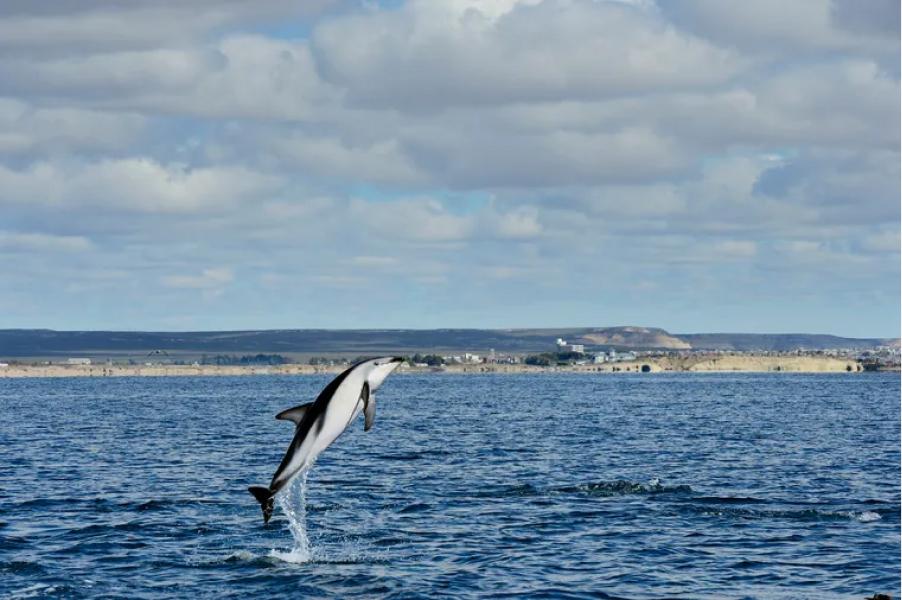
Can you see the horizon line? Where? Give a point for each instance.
(374, 329)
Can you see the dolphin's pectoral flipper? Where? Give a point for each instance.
(296, 414)
(369, 407)
(369, 413)
(265, 497)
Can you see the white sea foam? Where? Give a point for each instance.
(296, 556)
(33, 591)
(868, 516)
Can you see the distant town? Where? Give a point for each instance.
(626, 349)
(567, 354)
(561, 355)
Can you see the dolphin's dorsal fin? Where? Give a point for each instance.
(369, 407)
(296, 414)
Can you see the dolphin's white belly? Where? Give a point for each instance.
(336, 420)
(342, 409)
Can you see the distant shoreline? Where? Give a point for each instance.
(706, 364)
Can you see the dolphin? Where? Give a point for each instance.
(320, 422)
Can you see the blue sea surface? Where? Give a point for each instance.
(504, 486)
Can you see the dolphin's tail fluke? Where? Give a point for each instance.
(265, 497)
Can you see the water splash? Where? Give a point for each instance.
(293, 502)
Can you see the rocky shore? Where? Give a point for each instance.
(710, 364)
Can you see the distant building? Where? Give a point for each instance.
(563, 346)
(78, 361)
(614, 356)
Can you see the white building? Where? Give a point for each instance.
(78, 361)
(563, 346)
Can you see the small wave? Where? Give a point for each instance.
(729, 500)
(22, 567)
(152, 505)
(240, 556)
(33, 591)
(105, 505)
(619, 487)
(868, 516)
(623, 487)
(105, 528)
(807, 514)
(415, 507)
(66, 503)
(401, 456)
(248, 557)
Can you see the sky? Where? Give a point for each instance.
(696, 165)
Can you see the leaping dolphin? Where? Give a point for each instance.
(320, 422)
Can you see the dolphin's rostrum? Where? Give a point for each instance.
(320, 422)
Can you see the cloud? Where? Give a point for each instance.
(133, 185)
(100, 76)
(482, 157)
(373, 262)
(882, 241)
(101, 25)
(837, 187)
(778, 28)
(242, 76)
(736, 248)
(428, 56)
(332, 158)
(520, 223)
(479, 159)
(415, 220)
(30, 131)
(12, 242)
(208, 279)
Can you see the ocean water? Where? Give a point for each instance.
(513, 486)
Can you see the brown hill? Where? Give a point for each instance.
(634, 337)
